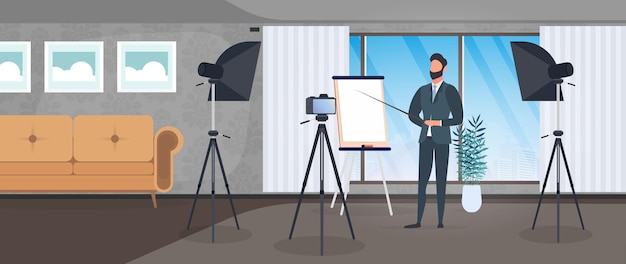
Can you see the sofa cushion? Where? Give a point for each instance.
(126, 138)
(35, 168)
(113, 168)
(35, 138)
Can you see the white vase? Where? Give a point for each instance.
(472, 198)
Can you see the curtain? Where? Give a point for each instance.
(591, 114)
(298, 62)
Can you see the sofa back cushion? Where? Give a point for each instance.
(113, 138)
(35, 138)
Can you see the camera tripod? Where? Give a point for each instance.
(323, 134)
(558, 143)
(213, 150)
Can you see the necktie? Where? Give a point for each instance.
(434, 92)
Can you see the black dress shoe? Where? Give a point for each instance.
(413, 225)
(440, 226)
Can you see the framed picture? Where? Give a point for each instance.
(14, 67)
(146, 66)
(73, 67)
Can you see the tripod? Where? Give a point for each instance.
(321, 133)
(558, 143)
(212, 150)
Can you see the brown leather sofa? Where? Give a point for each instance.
(92, 153)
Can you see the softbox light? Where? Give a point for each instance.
(233, 72)
(539, 79)
(537, 72)
(231, 80)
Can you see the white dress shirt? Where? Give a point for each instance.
(437, 85)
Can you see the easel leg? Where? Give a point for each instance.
(347, 180)
(382, 174)
(343, 169)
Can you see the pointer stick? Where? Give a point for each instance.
(413, 116)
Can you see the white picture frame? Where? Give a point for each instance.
(146, 66)
(73, 67)
(15, 74)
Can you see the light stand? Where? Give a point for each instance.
(558, 143)
(321, 135)
(212, 150)
(538, 75)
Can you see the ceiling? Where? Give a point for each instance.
(318, 11)
(436, 11)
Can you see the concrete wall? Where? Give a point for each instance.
(203, 30)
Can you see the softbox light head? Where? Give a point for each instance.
(561, 70)
(537, 72)
(235, 68)
(210, 70)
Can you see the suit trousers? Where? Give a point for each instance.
(425, 166)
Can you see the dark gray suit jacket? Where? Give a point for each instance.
(447, 100)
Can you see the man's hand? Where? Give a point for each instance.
(433, 122)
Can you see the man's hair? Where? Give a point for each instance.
(440, 58)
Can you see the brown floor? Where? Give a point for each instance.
(101, 230)
(498, 233)
(105, 229)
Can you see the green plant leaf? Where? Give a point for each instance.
(470, 148)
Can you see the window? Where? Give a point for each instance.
(491, 90)
(355, 55)
(404, 61)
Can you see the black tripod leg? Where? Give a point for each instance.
(558, 191)
(572, 185)
(206, 158)
(343, 199)
(545, 182)
(322, 197)
(213, 142)
(232, 206)
(306, 177)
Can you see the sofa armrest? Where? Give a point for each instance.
(167, 142)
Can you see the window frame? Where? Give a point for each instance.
(461, 47)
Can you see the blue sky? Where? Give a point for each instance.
(65, 60)
(15, 57)
(138, 59)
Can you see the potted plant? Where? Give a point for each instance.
(471, 158)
